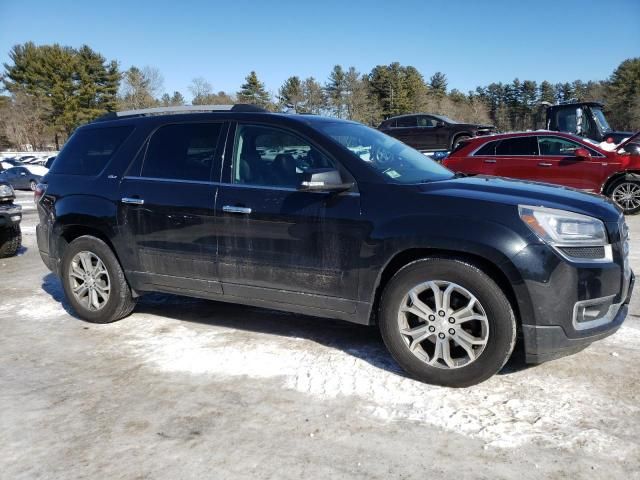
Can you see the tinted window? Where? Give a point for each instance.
(557, 146)
(273, 157)
(518, 146)
(426, 121)
(182, 152)
(88, 151)
(487, 149)
(406, 122)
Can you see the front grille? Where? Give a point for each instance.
(584, 252)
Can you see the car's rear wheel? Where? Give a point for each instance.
(626, 194)
(33, 184)
(94, 282)
(10, 240)
(446, 322)
(458, 140)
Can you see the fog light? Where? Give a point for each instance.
(595, 312)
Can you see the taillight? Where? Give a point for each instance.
(38, 193)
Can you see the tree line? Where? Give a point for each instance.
(49, 90)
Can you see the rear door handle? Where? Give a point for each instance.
(132, 201)
(232, 209)
(489, 161)
(545, 164)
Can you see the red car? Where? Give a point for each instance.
(556, 157)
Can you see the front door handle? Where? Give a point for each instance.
(132, 201)
(545, 164)
(232, 209)
(489, 161)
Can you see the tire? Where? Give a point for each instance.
(458, 139)
(32, 185)
(626, 194)
(119, 302)
(10, 241)
(496, 326)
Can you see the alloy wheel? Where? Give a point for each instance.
(627, 195)
(443, 324)
(89, 280)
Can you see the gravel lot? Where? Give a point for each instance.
(188, 388)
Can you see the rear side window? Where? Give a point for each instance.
(182, 152)
(518, 146)
(88, 151)
(406, 122)
(487, 149)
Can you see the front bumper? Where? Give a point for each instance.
(544, 343)
(10, 215)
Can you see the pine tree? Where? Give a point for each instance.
(314, 98)
(438, 84)
(623, 95)
(253, 91)
(335, 90)
(291, 93)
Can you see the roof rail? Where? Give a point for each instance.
(238, 107)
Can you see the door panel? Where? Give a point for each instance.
(167, 206)
(275, 242)
(288, 240)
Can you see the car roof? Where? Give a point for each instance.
(529, 133)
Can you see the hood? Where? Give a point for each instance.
(632, 137)
(522, 192)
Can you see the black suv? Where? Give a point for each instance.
(10, 216)
(330, 218)
(428, 133)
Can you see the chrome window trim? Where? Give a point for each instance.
(537, 136)
(597, 154)
(170, 180)
(283, 189)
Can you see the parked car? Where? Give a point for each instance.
(7, 163)
(354, 225)
(556, 157)
(427, 132)
(10, 216)
(23, 177)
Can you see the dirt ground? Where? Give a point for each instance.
(188, 388)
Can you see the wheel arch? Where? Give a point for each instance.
(498, 273)
(457, 135)
(609, 182)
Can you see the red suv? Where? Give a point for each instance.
(556, 157)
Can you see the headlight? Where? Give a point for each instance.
(6, 191)
(562, 228)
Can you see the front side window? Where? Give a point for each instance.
(424, 121)
(182, 151)
(267, 156)
(396, 161)
(520, 146)
(557, 146)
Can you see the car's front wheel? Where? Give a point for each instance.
(32, 185)
(626, 194)
(94, 282)
(10, 240)
(446, 322)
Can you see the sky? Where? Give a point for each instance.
(473, 42)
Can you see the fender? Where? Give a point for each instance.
(627, 174)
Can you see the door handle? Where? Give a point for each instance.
(489, 161)
(132, 201)
(545, 164)
(232, 209)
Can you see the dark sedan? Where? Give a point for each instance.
(23, 177)
(428, 133)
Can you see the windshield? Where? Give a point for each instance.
(446, 119)
(598, 116)
(393, 159)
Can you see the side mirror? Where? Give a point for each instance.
(582, 153)
(439, 124)
(323, 180)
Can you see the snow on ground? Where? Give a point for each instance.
(551, 406)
